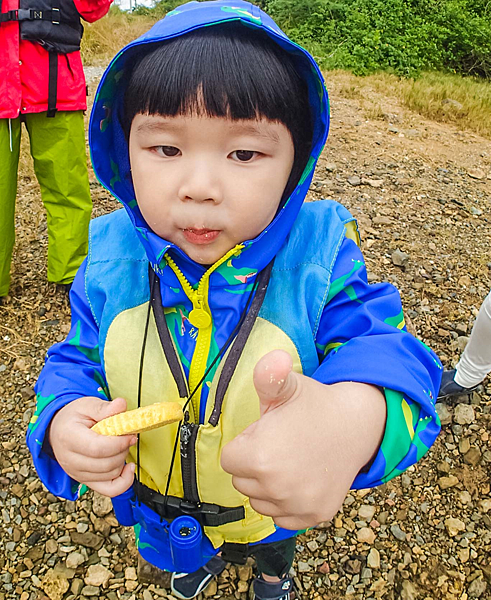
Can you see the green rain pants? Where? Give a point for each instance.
(58, 149)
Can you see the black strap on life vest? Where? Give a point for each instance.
(53, 66)
(170, 507)
(240, 341)
(52, 84)
(31, 14)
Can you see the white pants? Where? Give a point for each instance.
(475, 362)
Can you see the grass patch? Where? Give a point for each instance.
(446, 98)
(103, 39)
(464, 101)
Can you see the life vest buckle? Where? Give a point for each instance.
(23, 14)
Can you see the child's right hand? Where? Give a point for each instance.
(96, 460)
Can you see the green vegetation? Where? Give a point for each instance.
(404, 37)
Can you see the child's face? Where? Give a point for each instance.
(208, 183)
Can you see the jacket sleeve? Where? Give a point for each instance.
(362, 337)
(72, 370)
(92, 10)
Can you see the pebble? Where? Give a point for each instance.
(54, 585)
(74, 559)
(51, 546)
(398, 533)
(464, 414)
(400, 258)
(366, 512)
(476, 174)
(473, 457)
(91, 590)
(101, 505)
(477, 588)
(365, 535)
(97, 575)
(76, 586)
(130, 573)
(373, 559)
(455, 104)
(454, 526)
(211, 589)
(448, 482)
(354, 180)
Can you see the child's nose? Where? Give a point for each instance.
(201, 184)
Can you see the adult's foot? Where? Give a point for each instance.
(450, 389)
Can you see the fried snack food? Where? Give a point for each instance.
(141, 419)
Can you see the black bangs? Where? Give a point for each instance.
(228, 70)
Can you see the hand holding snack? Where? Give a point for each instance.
(90, 458)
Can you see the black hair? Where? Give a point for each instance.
(223, 71)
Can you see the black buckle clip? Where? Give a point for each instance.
(55, 14)
(23, 14)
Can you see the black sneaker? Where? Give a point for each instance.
(189, 585)
(281, 590)
(449, 388)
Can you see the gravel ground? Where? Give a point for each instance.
(421, 192)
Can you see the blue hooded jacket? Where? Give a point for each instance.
(339, 327)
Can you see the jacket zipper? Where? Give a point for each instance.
(189, 432)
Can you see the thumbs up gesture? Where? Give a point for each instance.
(298, 461)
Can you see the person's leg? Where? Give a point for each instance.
(9, 159)
(475, 362)
(60, 162)
(274, 562)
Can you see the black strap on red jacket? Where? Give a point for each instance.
(52, 84)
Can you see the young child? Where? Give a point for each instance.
(218, 288)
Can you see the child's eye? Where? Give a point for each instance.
(244, 155)
(167, 150)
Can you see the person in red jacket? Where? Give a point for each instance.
(42, 85)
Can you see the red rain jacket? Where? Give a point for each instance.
(24, 68)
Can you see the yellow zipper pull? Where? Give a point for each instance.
(199, 318)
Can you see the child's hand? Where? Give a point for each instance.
(298, 461)
(90, 458)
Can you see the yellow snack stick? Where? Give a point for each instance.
(140, 419)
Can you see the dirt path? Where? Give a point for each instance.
(421, 192)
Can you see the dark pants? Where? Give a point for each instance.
(275, 559)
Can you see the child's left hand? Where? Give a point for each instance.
(298, 461)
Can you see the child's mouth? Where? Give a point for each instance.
(200, 236)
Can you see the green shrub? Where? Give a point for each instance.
(400, 36)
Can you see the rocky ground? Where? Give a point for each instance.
(421, 193)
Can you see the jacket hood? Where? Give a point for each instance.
(109, 149)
